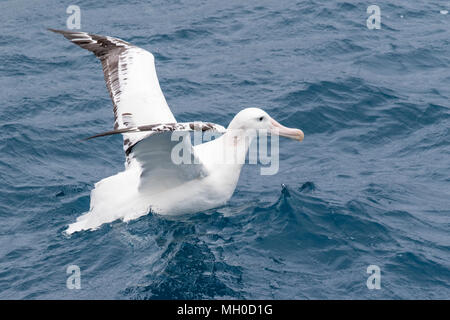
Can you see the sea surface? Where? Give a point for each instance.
(370, 184)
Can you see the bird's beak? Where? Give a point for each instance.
(281, 130)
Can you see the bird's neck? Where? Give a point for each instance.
(223, 158)
(229, 150)
(236, 145)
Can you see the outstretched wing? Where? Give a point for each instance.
(165, 157)
(163, 127)
(131, 80)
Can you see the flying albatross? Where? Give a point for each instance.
(152, 180)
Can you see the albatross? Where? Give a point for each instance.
(152, 181)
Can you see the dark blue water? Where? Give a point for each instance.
(370, 184)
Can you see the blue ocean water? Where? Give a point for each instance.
(369, 185)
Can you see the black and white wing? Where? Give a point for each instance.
(132, 82)
(142, 115)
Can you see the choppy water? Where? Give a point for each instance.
(369, 185)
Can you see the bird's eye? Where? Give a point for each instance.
(261, 118)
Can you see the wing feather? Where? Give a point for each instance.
(155, 155)
(141, 113)
(131, 80)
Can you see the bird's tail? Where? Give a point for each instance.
(113, 198)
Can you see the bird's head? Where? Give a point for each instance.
(258, 119)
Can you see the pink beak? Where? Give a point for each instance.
(281, 130)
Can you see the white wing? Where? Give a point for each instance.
(168, 161)
(159, 171)
(165, 161)
(131, 80)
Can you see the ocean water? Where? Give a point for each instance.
(370, 184)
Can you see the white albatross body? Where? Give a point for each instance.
(152, 180)
(122, 196)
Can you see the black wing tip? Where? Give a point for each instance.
(89, 138)
(63, 32)
(103, 134)
(109, 133)
(69, 33)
